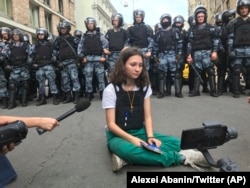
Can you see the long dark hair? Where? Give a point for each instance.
(118, 76)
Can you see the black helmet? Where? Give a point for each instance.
(64, 25)
(17, 32)
(119, 17)
(228, 15)
(90, 20)
(50, 37)
(241, 3)
(78, 33)
(157, 27)
(26, 37)
(138, 12)
(42, 31)
(179, 19)
(166, 16)
(191, 20)
(218, 19)
(6, 30)
(199, 9)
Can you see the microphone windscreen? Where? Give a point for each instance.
(82, 105)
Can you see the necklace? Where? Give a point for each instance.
(131, 101)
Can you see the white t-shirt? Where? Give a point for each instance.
(109, 95)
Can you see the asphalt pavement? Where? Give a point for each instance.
(75, 153)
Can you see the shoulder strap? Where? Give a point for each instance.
(115, 87)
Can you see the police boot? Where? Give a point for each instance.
(12, 101)
(212, 84)
(196, 90)
(77, 97)
(39, 98)
(55, 101)
(89, 95)
(68, 98)
(5, 102)
(247, 79)
(42, 101)
(220, 85)
(178, 86)
(62, 97)
(236, 86)
(161, 86)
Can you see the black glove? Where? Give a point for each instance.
(80, 57)
(60, 66)
(35, 66)
(2, 58)
(8, 68)
(53, 59)
(29, 60)
(231, 55)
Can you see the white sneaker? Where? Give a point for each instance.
(195, 159)
(117, 163)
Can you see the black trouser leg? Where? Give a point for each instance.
(161, 86)
(12, 97)
(178, 85)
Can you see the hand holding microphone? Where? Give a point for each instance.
(83, 105)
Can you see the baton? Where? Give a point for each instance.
(197, 73)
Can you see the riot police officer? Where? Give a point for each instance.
(65, 47)
(116, 37)
(227, 16)
(202, 50)
(44, 66)
(222, 55)
(178, 22)
(92, 51)
(20, 59)
(168, 43)
(4, 94)
(141, 35)
(239, 45)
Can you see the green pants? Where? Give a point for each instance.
(139, 156)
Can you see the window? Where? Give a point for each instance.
(48, 22)
(60, 5)
(6, 8)
(34, 16)
(47, 2)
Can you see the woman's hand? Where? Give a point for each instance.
(7, 148)
(137, 141)
(47, 123)
(155, 141)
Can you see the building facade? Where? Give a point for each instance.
(101, 10)
(28, 15)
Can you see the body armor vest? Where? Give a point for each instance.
(65, 51)
(202, 38)
(139, 36)
(166, 41)
(116, 39)
(43, 53)
(242, 33)
(125, 119)
(18, 55)
(92, 44)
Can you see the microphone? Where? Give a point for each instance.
(82, 105)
